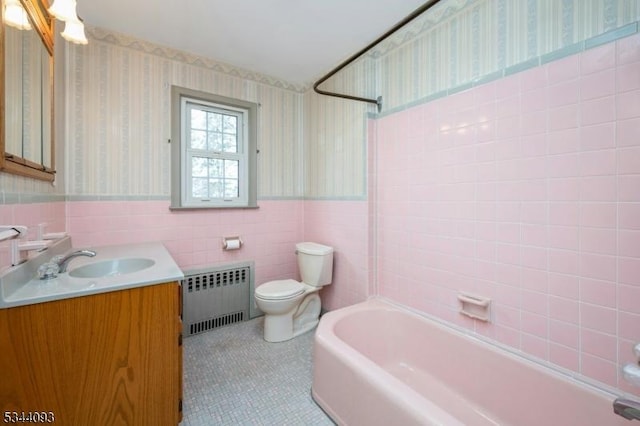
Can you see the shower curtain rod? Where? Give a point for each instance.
(395, 28)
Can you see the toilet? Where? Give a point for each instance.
(291, 307)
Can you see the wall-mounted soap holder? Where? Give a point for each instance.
(631, 372)
(475, 306)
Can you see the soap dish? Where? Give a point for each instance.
(475, 306)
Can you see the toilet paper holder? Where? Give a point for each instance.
(232, 243)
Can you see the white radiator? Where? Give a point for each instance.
(217, 296)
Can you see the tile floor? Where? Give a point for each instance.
(233, 377)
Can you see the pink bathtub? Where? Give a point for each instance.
(376, 364)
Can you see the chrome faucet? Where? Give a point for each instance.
(627, 408)
(64, 262)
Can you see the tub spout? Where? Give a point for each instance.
(627, 408)
(64, 262)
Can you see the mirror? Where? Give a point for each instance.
(26, 104)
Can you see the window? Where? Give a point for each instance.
(213, 151)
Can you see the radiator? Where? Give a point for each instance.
(217, 296)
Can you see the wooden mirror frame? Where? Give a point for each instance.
(43, 24)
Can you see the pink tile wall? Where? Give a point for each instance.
(194, 238)
(30, 215)
(342, 225)
(525, 190)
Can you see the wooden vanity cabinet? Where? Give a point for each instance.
(105, 359)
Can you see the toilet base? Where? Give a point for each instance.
(280, 328)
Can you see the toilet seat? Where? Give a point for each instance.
(278, 290)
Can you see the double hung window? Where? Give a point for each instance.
(216, 152)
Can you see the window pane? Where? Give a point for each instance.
(216, 168)
(213, 131)
(231, 169)
(230, 143)
(199, 188)
(215, 142)
(198, 119)
(230, 130)
(198, 139)
(230, 124)
(199, 167)
(215, 122)
(214, 178)
(231, 188)
(216, 188)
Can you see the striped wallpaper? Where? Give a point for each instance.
(335, 142)
(461, 42)
(118, 110)
(115, 115)
(452, 47)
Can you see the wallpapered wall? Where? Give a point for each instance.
(335, 137)
(118, 126)
(454, 46)
(116, 99)
(462, 42)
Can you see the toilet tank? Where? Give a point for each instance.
(315, 262)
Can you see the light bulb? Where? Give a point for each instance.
(64, 10)
(15, 15)
(74, 32)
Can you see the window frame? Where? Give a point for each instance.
(180, 187)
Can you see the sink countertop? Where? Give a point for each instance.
(20, 285)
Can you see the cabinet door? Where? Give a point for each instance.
(111, 358)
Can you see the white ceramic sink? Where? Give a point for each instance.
(111, 267)
(116, 267)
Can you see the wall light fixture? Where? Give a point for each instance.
(64, 10)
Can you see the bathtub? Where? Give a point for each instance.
(378, 364)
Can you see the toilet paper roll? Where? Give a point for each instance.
(232, 243)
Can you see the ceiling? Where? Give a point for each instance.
(297, 41)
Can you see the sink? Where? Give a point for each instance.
(111, 267)
(115, 268)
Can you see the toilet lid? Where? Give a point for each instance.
(282, 289)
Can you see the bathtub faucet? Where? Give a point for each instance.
(64, 262)
(627, 408)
